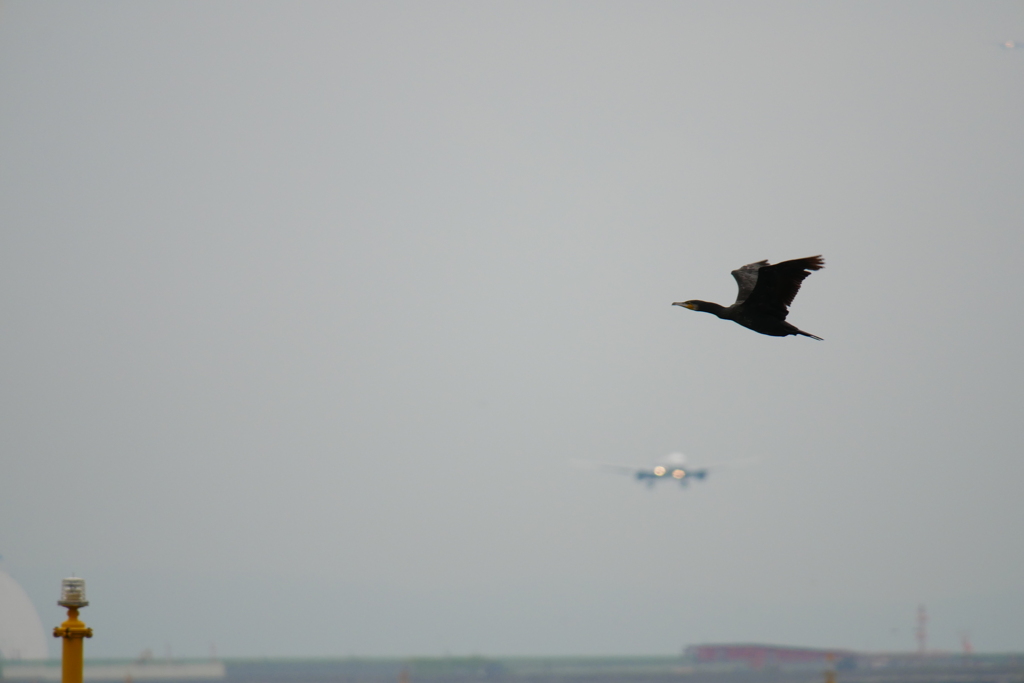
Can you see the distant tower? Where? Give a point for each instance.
(965, 641)
(922, 630)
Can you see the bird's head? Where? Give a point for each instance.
(693, 305)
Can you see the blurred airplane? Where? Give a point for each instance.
(1012, 44)
(672, 467)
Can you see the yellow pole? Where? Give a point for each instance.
(830, 672)
(73, 657)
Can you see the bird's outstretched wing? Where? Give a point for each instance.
(778, 284)
(746, 279)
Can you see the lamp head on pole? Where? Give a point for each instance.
(72, 593)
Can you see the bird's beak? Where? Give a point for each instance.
(685, 304)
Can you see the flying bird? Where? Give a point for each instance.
(766, 291)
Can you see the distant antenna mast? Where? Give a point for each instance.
(922, 630)
(965, 641)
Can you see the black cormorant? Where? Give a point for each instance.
(765, 293)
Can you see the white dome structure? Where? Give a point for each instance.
(21, 631)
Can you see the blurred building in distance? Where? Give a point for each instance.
(21, 631)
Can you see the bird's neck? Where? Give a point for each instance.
(711, 307)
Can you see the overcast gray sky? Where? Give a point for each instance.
(307, 307)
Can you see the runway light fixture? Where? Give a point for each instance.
(72, 631)
(72, 593)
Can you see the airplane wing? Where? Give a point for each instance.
(594, 465)
(731, 464)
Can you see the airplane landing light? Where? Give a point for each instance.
(678, 474)
(659, 471)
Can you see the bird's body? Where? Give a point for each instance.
(765, 293)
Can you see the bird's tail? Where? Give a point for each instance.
(806, 334)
